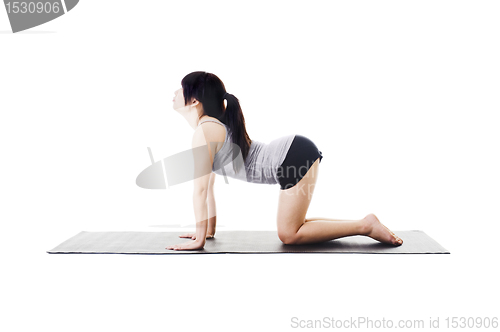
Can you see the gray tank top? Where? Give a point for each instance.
(262, 161)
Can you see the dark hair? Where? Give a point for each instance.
(209, 90)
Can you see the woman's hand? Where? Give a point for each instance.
(193, 236)
(194, 245)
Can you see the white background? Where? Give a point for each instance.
(401, 97)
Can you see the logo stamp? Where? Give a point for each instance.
(25, 15)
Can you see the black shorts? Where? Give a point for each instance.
(300, 157)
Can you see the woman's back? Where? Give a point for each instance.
(262, 161)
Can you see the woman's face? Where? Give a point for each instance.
(178, 100)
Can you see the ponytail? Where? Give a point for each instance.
(234, 119)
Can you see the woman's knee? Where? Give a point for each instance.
(287, 236)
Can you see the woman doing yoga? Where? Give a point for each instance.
(222, 146)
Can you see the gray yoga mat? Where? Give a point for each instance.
(241, 242)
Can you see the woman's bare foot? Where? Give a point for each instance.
(377, 231)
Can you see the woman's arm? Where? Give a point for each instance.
(201, 214)
(202, 173)
(212, 218)
(212, 212)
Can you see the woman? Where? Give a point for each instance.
(226, 149)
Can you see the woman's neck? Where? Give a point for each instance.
(192, 118)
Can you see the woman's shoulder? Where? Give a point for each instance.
(212, 124)
(210, 120)
(214, 132)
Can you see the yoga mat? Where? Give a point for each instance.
(240, 242)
